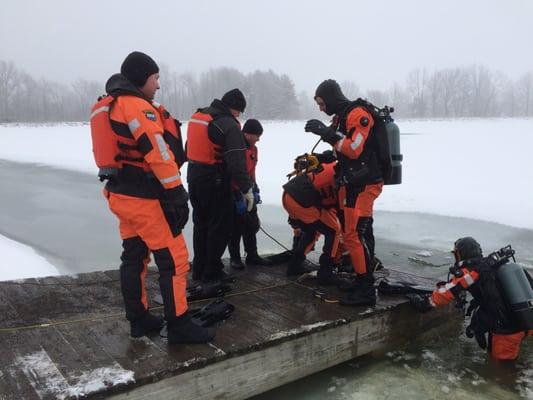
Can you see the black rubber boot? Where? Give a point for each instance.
(363, 292)
(376, 264)
(148, 323)
(325, 275)
(236, 263)
(256, 260)
(295, 265)
(183, 330)
(197, 272)
(216, 276)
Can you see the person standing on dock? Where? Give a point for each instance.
(137, 146)
(217, 157)
(360, 178)
(247, 224)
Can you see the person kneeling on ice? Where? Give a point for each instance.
(310, 199)
(247, 224)
(502, 303)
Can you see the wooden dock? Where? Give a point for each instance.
(66, 337)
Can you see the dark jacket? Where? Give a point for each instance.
(225, 131)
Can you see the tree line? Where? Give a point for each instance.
(462, 92)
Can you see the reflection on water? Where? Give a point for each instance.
(438, 365)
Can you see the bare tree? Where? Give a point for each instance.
(416, 86)
(8, 84)
(525, 93)
(85, 93)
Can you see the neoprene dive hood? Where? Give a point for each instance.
(331, 93)
(466, 248)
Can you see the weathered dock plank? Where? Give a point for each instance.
(66, 337)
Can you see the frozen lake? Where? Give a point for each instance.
(470, 177)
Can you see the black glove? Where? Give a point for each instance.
(326, 157)
(419, 302)
(327, 133)
(175, 207)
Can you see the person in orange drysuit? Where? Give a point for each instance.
(146, 194)
(310, 200)
(489, 309)
(360, 178)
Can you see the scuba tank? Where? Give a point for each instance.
(517, 290)
(387, 139)
(393, 136)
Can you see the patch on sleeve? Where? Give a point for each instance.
(150, 115)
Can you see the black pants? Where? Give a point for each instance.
(245, 226)
(135, 258)
(212, 203)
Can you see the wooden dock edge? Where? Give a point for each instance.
(293, 355)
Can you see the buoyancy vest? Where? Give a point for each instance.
(115, 147)
(113, 143)
(251, 164)
(323, 180)
(172, 134)
(365, 169)
(200, 149)
(315, 189)
(488, 308)
(251, 161)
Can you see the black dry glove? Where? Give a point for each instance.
(325, 157)
(175, 207)
(327, 133)
(419, 302)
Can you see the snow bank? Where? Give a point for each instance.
(20, 262)
(466, 168)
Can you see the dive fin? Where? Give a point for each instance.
(213, 312)
(389, 286)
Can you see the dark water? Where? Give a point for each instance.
(442, 364)
(64, 217)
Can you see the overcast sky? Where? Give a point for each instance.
(373, 43)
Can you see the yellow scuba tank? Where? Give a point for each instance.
(518, 292)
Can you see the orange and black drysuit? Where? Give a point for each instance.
(362, 182)
(310, 200)
(216, 152)
(246, 225)
(145, 192)
(489, 311)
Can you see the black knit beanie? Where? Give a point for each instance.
(253, 127)
(234, 99)
(331, 93)
(138, 67)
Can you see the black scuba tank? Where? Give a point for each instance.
(393, 136)
(518, 292)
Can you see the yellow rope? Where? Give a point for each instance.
(74, 321)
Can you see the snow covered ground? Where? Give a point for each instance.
(34, 264)
(476, 169)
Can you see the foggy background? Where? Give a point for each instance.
(428, 59)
